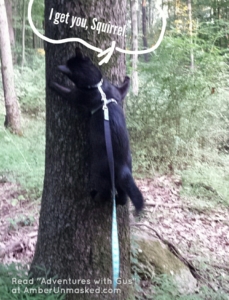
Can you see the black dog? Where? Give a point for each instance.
(86, 76)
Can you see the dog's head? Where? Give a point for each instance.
(81, 71)
(86, 76)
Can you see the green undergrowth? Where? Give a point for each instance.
(15, 285)
(207, 182)
(30, 85)
(178, 112)
(29, 82)
(22, 158)
(162, 287)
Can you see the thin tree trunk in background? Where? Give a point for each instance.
(15, 10)
(12, 120)
(150, 14)
(144, 31)
(74, 237)
(34, 43)
(176, 11)
(10, 21)
(134, 28)
(190, 33)
(219, 17)
(23, 34)
(139, 21)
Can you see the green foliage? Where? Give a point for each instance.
(30, 85)
(208, 181)
(22, 158)
(38, 11)
(175, 114)
(31, 41)
(162, 287)
(10, 289)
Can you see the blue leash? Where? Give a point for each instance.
(115, 247)
(110, 156)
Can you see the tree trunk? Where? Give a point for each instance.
(12, 120)
(10, 21)
(34, 41)
(74, 237)
(144, 31)
(134, 28)
(150, 15)
(23, 34)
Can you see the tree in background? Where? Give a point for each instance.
(144, 29)
(25, 41)
(8, 5)
(134, 40)
(23, 33)
(74, 238)
(12, 120)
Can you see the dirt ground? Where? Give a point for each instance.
(201, 234)
(18, 224)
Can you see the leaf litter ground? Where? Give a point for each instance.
(199, 232)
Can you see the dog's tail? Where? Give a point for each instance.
(128, 185)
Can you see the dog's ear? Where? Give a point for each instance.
(65, 70)
(124, 88)
(78, 53)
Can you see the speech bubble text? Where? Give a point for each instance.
(77, 21)
(58, 18)
(101, 27)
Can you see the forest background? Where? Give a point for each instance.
(178, 118)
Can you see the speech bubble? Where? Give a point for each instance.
(107, 52)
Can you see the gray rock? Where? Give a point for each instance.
(154, 257)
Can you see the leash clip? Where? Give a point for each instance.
(105, 101)
(106, 113)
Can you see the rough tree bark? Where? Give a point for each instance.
(12, 120)
(74, 238)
